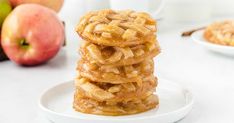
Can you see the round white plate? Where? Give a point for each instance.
(198, 38)
(175, 103)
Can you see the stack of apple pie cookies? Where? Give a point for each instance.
(115, 72)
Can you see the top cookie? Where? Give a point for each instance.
(117, 28)
(220, 33)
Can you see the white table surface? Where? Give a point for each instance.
(208, 75)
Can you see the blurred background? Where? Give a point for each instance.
(181, 60)
(170, 12)
(173, 10)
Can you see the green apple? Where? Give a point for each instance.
(5, 9)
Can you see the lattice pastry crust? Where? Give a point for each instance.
(117, 28)
(116, 75)
(220, 33)
(118, 56)
(87, 105)
(114, 93)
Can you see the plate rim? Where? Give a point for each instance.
(198, 34)
(188, 105)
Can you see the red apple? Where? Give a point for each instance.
(2, 54)
(32, 34)
(53, 4)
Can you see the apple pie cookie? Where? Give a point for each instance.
(117, 28)
(116, 75)
(119, 56)
(114, 93)
(91, 106)
(220, 33)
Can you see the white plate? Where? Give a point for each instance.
(175, 103)
(198, 38)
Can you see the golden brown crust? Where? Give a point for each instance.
(220, 33)
(117, 28)
(117, 56)
(114, 92)
(90, 106)
(116, 75)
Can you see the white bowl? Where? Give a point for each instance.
(175, 103)
(198, 38)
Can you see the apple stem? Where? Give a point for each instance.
(24, 43)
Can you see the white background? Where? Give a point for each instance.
(208, 75)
